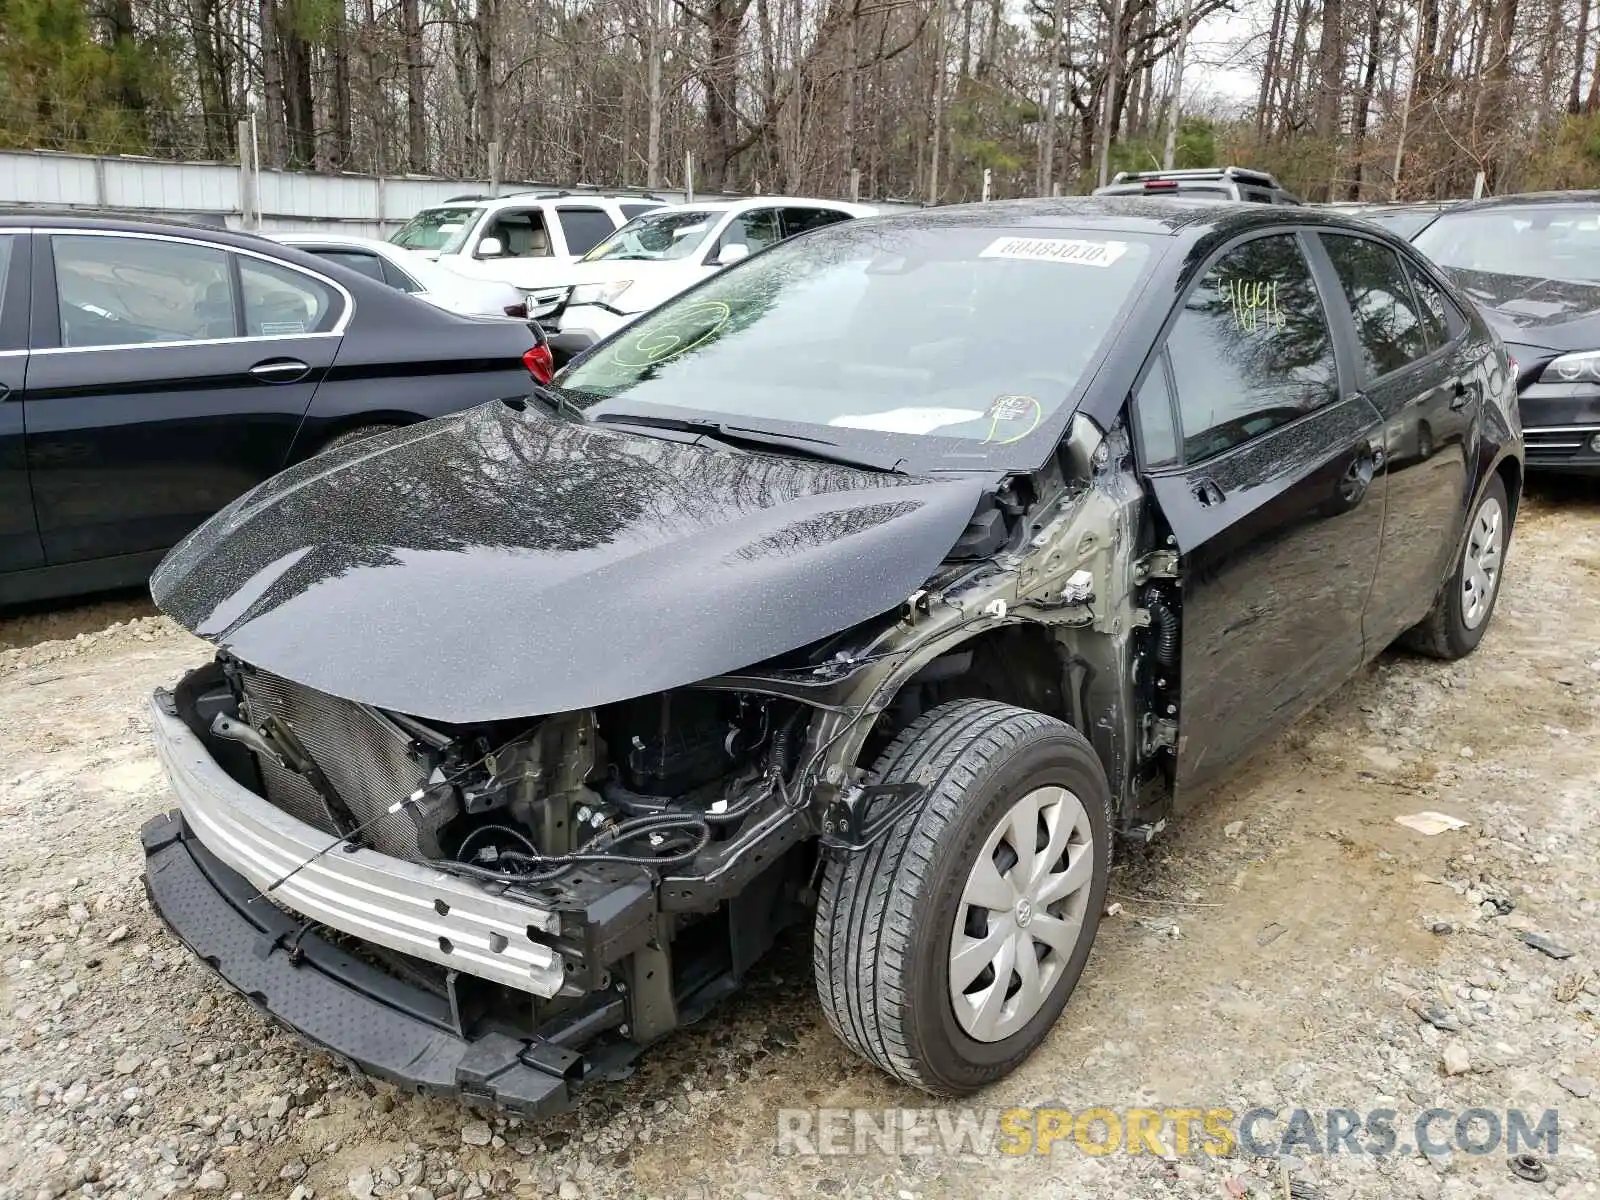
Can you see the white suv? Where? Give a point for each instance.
(517, 237)
(659, 254)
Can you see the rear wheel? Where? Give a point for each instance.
(1460, 615)
(945, 952)
(359, 434)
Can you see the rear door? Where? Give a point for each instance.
(168, 376)
(1263, 477)
(1410, 358)
(20, 548)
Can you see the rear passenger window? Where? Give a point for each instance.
(804, 220)
(584, 228)
(398, 279)
(1251, 349)
(357, 260)
(279, 302)
(1389, 327)
(125, 291)
(1439, 317)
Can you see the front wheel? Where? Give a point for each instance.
(1460, 614)
(946, 951)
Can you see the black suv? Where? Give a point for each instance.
(1204, 183)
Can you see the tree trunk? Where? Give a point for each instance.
(216, 108)
(339, 51)
(416, 87)
(1369, 79)
(272, 106)
(1272, 69)
(1579, 56)
(652, 145)
(1175, 104)
(936, 138)
(1330, 84)
(724, 19)
(295, 54)
(1047, 151)
(484, 33)
(851, 101)
(1108, 100)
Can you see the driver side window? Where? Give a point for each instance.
(1251, 349)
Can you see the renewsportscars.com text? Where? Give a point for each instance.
(1218, 1132)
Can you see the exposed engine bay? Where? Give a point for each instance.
(648, 782)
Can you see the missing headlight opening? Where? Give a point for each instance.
(525, 740)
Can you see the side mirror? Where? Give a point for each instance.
(490, 247)
(732, 253)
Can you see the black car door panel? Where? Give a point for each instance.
(172, 377)
(1410, 348)
(20, 548)
(1269, 501)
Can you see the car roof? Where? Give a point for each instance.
(1527, 200)
(296, 236)
(746, 202)
(1162, 216)
(25, 218)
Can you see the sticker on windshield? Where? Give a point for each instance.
(1062, 250)
(908, 420)
(1012, 418)
(282, 328)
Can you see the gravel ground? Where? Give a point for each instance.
(1280, 946)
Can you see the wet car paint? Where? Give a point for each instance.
(504, 563)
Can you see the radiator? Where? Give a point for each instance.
(368, 762)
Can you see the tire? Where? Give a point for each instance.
(1461, 612)
(359, 434)
(886, 916)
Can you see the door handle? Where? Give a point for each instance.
(1208, 493)
(1458, 395)
(280, 370)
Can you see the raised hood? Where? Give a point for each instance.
(502, 564)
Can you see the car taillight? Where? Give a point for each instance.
(541, 365)
(520, 311)
(1160, 185)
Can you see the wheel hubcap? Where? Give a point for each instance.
(1480, 568)
(1021, 913)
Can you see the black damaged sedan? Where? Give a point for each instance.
(877, 584)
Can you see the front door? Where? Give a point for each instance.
(168, 376)
(1410, 347)
(1267, 497)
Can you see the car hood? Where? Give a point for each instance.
(1553, 314)
(500, 564)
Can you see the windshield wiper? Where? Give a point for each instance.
(744, 438)
(558, 401)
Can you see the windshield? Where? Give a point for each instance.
(441, 229)
(964, 340)
(1544, 241)
(661, 235)
(1403, 223)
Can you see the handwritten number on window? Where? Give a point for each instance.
(1255, 304)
